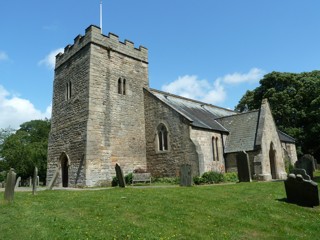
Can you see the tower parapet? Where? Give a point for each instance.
(111, 43)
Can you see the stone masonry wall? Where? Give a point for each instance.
(69, 117)
(269, 137)
(98, 127)
(116, 124)
(203, 142)
(181, 149)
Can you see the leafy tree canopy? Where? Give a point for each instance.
(295, 102)
(26, 148)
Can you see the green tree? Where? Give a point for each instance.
(27, 148)
(295, 102)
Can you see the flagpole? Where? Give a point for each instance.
(101, 15)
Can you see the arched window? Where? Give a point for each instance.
(119, 86)
(68, 90)
(162, 138)
(217, 150)
(213, 143)
(124, 87)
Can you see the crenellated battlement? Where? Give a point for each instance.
(111, 43)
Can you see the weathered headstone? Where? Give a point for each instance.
(185, 175)
(301, 192)
(307, 162)
(243, 165)
(53, 179)
(302, 172)
(10, 184)
(120, 176)
(34, 181)
(18, 182)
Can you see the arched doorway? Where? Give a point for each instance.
(272, 157)
(65, 163)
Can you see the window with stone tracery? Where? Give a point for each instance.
(162, 138)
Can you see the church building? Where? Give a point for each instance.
(104, 112)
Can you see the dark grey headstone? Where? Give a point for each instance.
(243, 165)
(306, 163)
(34, 181)
(10, 184)
(301, 192)
(302, 172)
(120, 176)
(185, 175)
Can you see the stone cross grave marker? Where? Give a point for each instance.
(301, 192)
(120, 177)
(185, 175)
(34, 181)
(9, 190)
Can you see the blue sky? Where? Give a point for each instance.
(210, 50)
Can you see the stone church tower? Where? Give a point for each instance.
(98, 110)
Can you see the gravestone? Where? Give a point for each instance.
(18, 182)
(34, 181)
(306, 163)
(302, 172)
(185, 175)
(53, 179)
(301, 192)
(120, 176)
(10, 184)
(243, 165)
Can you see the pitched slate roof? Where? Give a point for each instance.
(285, 137)
(242, 131)
(200, 114)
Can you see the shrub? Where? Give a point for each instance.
(128, 178)
(230, 177)
(198, 180)
(115, 182)
(212, 177)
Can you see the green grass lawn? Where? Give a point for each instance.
(235, 211)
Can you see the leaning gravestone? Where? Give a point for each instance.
(9, 190)
(34, 181)
(53, 179)
(301, 192)
(120, 176)
(185, 175)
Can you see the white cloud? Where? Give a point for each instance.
(15, 111)
(254, 75)
(192, 87)
(50, 59)
(3, 56)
